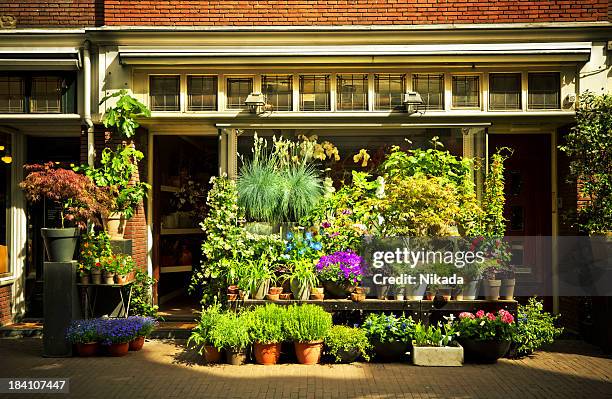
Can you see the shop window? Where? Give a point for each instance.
(466, 91)
(12, 94)
(237, 91)
(431, 89)
(314, 93)
(278, 92)
(389, 92)
(165, 93)
(46, 95)
(544, 90)
(201, 93)
(504, 91)
(5, 200)
(352, 92)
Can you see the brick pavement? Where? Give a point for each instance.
(570, 369)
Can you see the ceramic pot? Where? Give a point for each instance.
(317, 296)
(308, 352)
(115, 225)
(232, 297)
(272, 297)
(337, 289)
(267, 354)
(118, 350)
(275, 290)
(137, 343)
(286, 296)
(235, 357)
(232, 289)
(491, 289)
(357, 297)
(261, 290)
(301, 292)
(87, 349)
(96, 276)
(60, 244)
(506, 291)
(469, 291)
(382, 291)
(84, 279)
(109, 278)
(211, 354)
(415, 292)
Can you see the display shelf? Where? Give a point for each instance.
(191, 230)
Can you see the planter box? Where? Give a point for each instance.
(448, 356)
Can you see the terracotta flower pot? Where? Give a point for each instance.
(267, 354)
(360, 290)
(232, 289)
(115, 225)
(88, 349)
(118, 350)
(275, 290)
(317, 296)
(137, 343)
(121, 278)
(308, 352)
(272, 297)
(286, 296)
(232, 297)
(211, 354)
(357, 297)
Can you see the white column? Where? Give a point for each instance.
(18, 223)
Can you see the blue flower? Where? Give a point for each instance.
(317, 246)
(289, 235)
(308, 235)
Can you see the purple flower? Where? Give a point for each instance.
(341, 265)
(326, 225)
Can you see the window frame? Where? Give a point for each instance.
(290, 96)
(179, 94)
(365, 81)
(529, 91)
(187, 93)
(519, 75)
(68, 98)
(328, 92)
(398, 108)
(227, 90)
(442, 77)
(479, 91)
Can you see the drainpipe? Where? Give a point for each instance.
(87, 103)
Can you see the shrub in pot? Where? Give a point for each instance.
(78, 199)
(231, 332)
(308, 326)
(390, 335)
(347, 344)
(340, 273)
(267, 332)
(144, 328)
(84, 335)
(201, 335)
(485, 337)
(436, 346)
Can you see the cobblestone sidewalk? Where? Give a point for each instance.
(571, 369)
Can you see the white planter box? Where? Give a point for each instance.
(449, 356)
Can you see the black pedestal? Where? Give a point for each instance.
(61, 305)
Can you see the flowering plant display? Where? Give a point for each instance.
(118, 331)
(83, 331)
(389, 328)
(118, 263)
(93, 248)
(483, 326)
(306, 246)
(497, 255)
(145, 324)
(340, 266)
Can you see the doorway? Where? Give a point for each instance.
(182, 168)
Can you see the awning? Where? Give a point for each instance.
(372, 54)
(33, 58)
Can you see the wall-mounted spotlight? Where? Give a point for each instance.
(255, 102)
(411, 100)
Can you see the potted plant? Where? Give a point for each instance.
(308, 326)
(201, 335)
(436, 346)
(93, 247)
(390, 335)
(267, 332)
(471, 273)
(485, 337)
(231, 332)
(78, 201)
(340, 273)
(123, 267)
(302, 278)
(317, 293)
(347, 344)
(116, 334)
(109, 265)
(145, 326)
(256, 277)
(84, 273)
(84, 335)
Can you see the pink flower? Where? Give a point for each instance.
(326, 225)
(480, 313)
(491, 316)
(506, 317)
(466, 315)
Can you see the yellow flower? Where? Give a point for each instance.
(362, 157)
(319, 153)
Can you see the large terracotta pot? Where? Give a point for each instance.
(338, 290)
(118, 350)
(87, 349)
(115, 225)
(267, 354)
(60, 244)
(308, 352)
(394, 351)
(211, 354)
(137, 343)
(484, 351)
(491, 289)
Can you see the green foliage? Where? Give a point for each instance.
(347, 339)
(535, 328)
(116, 171)
(302, 189)
(121, 264)
(201, 334)
(231, 331)
(123, 115)
(437, 336)
(141, 301)
(93, 247)
(388, 328)
(301, 272)
(589, 146)
(266, 324)
(307, 323)
(261, 191)
(493, 222)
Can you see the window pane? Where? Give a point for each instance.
(278, 92)
(46, 95)
(544, 90)
(431, 89)
(314, 93)
(238, 90)
(352, 92)
(389, 92)
(466, 91)
(202, 93)
(165, 93)
(505, 91)
(12, 94)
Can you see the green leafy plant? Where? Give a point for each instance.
(231, 331)
(301, 272)
(201, 334)
(388, 328)
(307, 323)
(437, 336)
(589, 146)
(535, 328)
(141, 301)
(118, 263)
(253, 273)
(266, 324)
(123, 115)
(493, 222)
(343, 339)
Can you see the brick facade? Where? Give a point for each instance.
(46, 13)
(347, 12)
(5, 305)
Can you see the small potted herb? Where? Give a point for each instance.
(308, 326)
(340, 273)
(436, 346)
(84, 335)
(201, 335)
(231, 332)
(146, 325)
(267, 332)
(347, 344)
(390, 335)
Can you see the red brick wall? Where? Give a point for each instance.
(5, 305)
(348, 12)
(47, 13)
